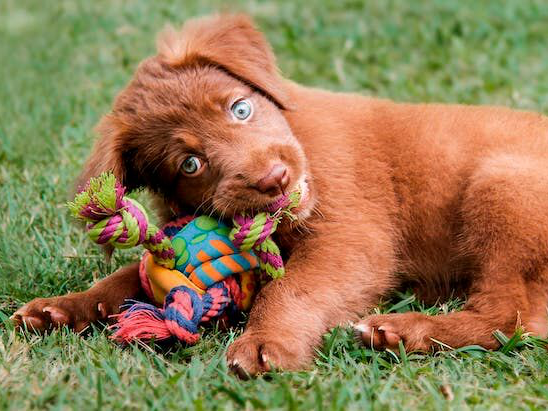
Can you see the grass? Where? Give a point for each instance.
(62, 63)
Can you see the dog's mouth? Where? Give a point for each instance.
(302, 208)
(249, 203)
(306, 203)
(303, 188)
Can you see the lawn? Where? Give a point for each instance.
(61, 64)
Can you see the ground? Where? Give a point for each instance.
(62, 62)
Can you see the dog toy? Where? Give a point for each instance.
(195, 268)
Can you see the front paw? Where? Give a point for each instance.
(76, 311)
(385, 331)
(257, 352)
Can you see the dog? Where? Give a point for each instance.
(450, 200)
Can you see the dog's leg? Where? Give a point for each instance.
(78, 310)
(505, 214)
(331, 278)
(495, 306)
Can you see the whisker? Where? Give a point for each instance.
(229, 204)
(207, 198)
(316, 210)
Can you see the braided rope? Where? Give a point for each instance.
(255, 233)
(120, 221)
(184, 309)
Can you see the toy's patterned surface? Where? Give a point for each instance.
(204, 253)
(158, 281)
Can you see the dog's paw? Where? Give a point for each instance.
(382, 332)
(256, 353)
(76, 311)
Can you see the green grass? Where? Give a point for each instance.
(62, 62)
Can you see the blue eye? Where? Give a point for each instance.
(191, 165)
(241, 109)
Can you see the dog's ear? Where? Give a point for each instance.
(107, 154)
(230, 42)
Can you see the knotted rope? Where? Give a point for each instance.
(115, 219)
(184, 309)
(120, 221)
(255, 233)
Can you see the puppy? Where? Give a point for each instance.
(447, 199)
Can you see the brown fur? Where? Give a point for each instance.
(448, 199)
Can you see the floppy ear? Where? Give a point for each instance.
(230, 42)
(107, 154)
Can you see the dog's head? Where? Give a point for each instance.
(202, 122)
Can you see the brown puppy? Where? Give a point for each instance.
(442, 198)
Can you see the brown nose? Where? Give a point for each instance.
(275, 181)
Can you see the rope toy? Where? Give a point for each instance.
(195, 268)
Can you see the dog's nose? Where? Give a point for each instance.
(275, 181)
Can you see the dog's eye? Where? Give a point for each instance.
(241, 109)
(191, 165)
